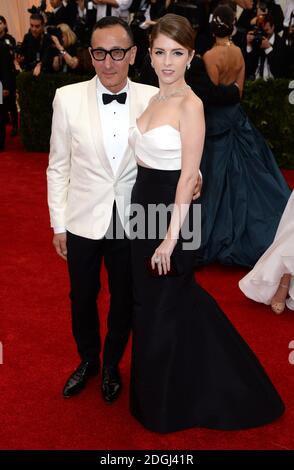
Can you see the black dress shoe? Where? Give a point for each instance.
(111, 383)
(79, 378)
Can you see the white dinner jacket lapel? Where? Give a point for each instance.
(95, 124)
(133, 104)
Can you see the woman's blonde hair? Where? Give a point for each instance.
(70, 36)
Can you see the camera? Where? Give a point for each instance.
(258, 31)
(139, 18)
(54, 31)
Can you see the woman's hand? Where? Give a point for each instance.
(161, 256)
(56, 43)
(198, 187)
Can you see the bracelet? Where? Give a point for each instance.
(62, 52)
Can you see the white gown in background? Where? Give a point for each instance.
(261, 283)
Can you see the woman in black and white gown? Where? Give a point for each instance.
(190, 367)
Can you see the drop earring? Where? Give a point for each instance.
(188, 66)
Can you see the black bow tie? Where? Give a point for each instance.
(120, 98)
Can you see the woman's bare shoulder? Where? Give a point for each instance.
(210, 53)
(191, 104)
(236, 49)
(218, 51)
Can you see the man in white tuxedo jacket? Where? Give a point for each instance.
(91, 173)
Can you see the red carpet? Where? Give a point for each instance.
(39, 352)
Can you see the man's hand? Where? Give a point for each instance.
(59, 242)
(37, 69)
(56, 43)
(17, 65)
(198, 187)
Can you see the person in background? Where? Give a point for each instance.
(5, 36)
(271, 280)
(35, 51)
(5, 81)
(244, 193)
(288, 37)
(118, 8)
(265, 55)
(250, 16)
(61, 13)
(67, 52)
(10, 100)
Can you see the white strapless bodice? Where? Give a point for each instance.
(159, 148)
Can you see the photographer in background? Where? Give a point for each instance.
(248, 17)
(60, 14)
(4, 88)
(10, 100)
(34, 53)
(67, 52)
(118, 8)
(83, 16)
(288, 36)
(265, 55)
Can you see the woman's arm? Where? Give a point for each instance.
(192, 129)
(71, 61)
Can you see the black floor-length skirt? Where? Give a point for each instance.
(190, 367)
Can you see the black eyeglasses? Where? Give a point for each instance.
(116, 54)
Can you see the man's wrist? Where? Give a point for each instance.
(58, 230)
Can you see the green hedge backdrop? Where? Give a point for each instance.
(266, 102)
